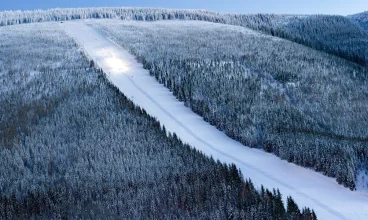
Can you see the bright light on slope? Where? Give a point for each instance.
(108, 60)
(117, 66)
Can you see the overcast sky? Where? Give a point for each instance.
(341, 7)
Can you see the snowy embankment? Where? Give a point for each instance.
(308, 188)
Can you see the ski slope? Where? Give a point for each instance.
(308, 188)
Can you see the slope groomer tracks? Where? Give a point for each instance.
(308, 188)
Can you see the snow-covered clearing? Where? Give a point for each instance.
(308, 188)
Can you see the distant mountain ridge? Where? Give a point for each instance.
(361, 19)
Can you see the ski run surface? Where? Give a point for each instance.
(308, 188)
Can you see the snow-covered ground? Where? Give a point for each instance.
(308, 188)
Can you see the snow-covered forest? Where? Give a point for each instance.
(307, 107)
(73, 146)
(337, 35)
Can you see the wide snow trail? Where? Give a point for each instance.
(308, 188)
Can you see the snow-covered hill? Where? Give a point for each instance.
(324, 195)
(73, 147)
